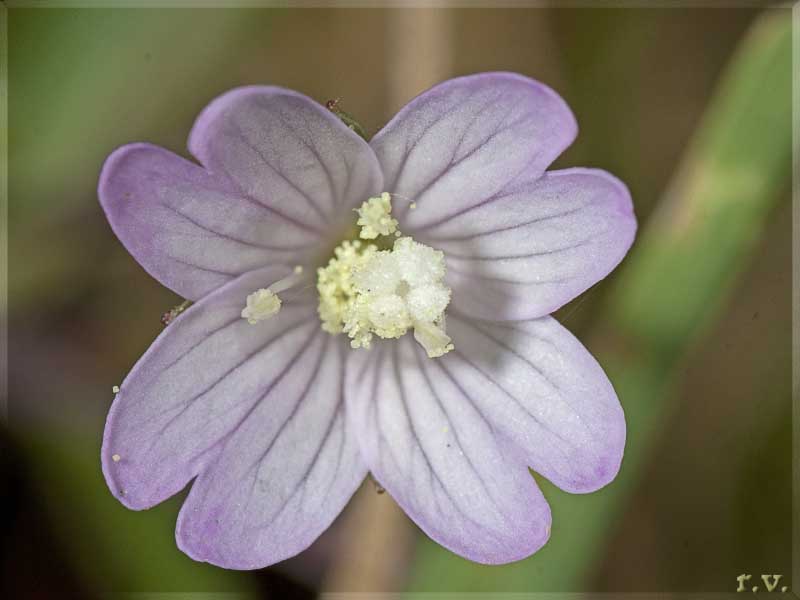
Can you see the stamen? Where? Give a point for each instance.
(288, 282)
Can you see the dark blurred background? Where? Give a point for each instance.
(690, 107)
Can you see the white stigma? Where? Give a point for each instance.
(367, 292)
(374, 217)
(265, 303)
(261, 305)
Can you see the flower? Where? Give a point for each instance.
(286, 238)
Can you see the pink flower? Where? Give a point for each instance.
(279, 420)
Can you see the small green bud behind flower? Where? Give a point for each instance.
(347, 119)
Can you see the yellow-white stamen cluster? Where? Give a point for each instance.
(335, 283)
(365, 291)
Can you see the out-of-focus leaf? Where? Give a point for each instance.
(84, 81)
(669, 292)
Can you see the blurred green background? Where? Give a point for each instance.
(690, 107)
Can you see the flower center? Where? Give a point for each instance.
(385, 286)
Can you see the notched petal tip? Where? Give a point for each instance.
(201, 134)
(560, 110)
(289, 153)
(286, 471)
(549, 396)
(132, 481)
(428, 444)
